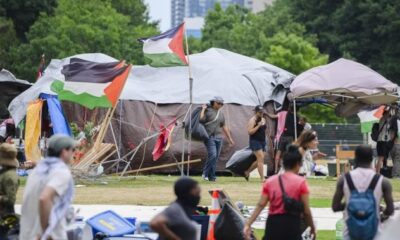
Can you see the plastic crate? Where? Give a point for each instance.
(111, 224)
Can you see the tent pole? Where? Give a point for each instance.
(295, 119)
(190, 106)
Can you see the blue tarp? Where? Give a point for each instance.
(58, 121)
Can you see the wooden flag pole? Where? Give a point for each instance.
(190, 105)
(103, 127)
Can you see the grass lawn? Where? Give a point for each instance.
(156, 190)
(321, 235)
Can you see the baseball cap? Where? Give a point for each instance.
(217, 99)
(259, 108)
(58, 142)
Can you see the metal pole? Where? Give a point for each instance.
(190, 106)
(295, 119)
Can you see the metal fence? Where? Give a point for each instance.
(331, 134)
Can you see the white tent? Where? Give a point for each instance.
(216, 72)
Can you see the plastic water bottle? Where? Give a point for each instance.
(339, 229)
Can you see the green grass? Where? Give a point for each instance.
(321, 235)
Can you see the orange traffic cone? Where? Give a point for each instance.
(213, 212)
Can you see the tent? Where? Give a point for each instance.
(155, 96)
(346, 84)
(10, 87)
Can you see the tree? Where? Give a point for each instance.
(365, 30)
(8, 39)
(79, 27)
(24, 13)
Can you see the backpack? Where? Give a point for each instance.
(376, 131)
(362, 221)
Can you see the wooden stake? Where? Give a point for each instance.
(163, 166)
(104, 127)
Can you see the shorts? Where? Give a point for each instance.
(257, 145)
(284, 142)
(383, 149)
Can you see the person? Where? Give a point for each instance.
(8, 183)
(362, 177)
(214, 122)
(174, 223)
(256, 128)
(281, 224)
(288, 136)
(7, 130)
(303, 122)
(395, 151)
(383, 143)
(49, 192)
(308, 142)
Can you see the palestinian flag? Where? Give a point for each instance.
(165, 49)
(92, 84)
(368, 118)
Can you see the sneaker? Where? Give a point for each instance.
(206, 179)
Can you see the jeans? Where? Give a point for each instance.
(213, 145)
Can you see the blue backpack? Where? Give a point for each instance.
(362, 221)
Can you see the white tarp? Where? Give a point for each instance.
(216, 72)
(345, 78)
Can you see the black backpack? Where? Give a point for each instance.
(376, 131)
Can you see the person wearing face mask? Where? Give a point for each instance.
(174, 223)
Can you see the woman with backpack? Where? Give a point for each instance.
(287, 195)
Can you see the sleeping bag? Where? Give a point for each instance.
(199, 132)
(241, 161)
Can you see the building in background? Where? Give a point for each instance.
(193, 10)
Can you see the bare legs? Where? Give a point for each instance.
(259, 164)
(379, 163)
(277, 161)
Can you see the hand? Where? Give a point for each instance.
(321, 154)
(313, 233)
(204, 106)
(247, 232)
(231, 142)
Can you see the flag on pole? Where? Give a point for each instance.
(368, 118)
(92, 84)
(41, 67)
(166, 49)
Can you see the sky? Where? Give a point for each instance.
(160, 10)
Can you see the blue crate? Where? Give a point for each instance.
(111, 224)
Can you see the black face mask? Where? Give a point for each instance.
(190, 201)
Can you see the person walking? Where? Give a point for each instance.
(256, 128)
(383, 144)
(362, 190)
(174, 223)
(8, 183)
(214, 122)
(395, 138)
(49, 193)
(284, 215)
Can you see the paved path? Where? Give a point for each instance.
(324, 217)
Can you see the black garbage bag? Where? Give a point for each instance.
(199, 132)
(241, 161)
(229, 224)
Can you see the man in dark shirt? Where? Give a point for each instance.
(214, 121)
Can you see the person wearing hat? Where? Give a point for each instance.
(49, 192)
(256, 128)
(8, 178)
(213, 120)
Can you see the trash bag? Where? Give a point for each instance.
(229, 224)
(199, 132)
(241, 161)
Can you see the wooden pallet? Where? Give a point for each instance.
(94, 155)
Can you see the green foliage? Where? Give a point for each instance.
(318, 113)
(365, 30)
(270, 36)
(24, 13)
(8, 39)
(81, 27)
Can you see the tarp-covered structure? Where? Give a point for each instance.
(155, 96)
(10, 87)
(346, 84)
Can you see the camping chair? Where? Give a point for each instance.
(344, 155)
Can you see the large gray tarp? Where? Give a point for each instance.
(237, 78)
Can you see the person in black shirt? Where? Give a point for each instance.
(256, 128)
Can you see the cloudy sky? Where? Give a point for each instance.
(160, 10)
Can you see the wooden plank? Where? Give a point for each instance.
(162, 166)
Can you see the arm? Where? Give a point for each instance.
(252, 127)
(387, 197)
(260, 206)
(337, 204)
(228, 134)
(203, 113)
(308, 215)
(45, 206)
(270, 115)
(159, 224)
